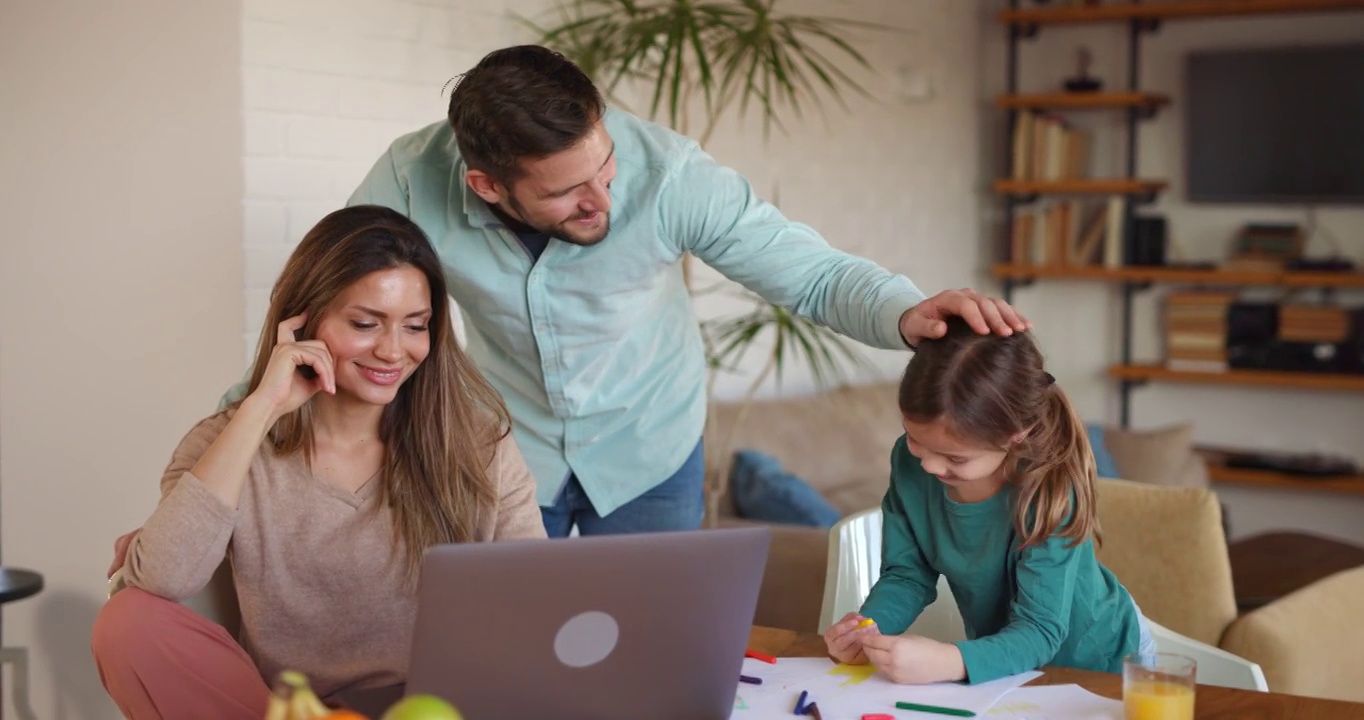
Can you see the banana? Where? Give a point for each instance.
(294, 699)
(277, 709)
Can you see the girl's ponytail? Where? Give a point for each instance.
(1056, 473)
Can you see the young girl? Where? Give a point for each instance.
(366, 436)
(993, 487)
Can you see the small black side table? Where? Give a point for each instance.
(16, 584)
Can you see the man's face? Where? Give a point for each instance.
(565, 195)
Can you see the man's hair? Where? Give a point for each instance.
(522, 102)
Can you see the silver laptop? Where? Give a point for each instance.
(625, 626)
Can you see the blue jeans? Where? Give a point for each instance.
(675, 504)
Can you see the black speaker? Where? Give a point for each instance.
(1146, 241)
(1252, 336)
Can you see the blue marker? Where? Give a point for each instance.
(800, 703)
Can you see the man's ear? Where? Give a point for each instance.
(484, 186)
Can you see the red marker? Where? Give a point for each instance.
(877, 717)
(760, 656)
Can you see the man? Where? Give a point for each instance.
(561, 224)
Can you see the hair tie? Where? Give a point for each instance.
(1051, 379)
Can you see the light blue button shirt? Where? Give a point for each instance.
(596, 349)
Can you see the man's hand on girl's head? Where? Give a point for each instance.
(927, 320)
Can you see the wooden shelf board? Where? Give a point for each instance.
(1344, 280)
(1267, 478)
(1102, 186)
(1260, 378)
(1083, 100)
(1171, 10)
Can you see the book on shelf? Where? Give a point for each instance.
(1114, 240)
(1068, 232)
(1046, 148)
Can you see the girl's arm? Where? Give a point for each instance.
(1039, 618)
(907, 584)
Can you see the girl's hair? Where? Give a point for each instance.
(991, 388)
(442, 429)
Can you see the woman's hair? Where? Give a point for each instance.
(989, 389)
(442, 429)
(521, 102)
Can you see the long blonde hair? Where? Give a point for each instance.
(441, 431)
(991, 389)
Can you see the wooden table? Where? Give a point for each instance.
(1211, 703)
(1268, 566)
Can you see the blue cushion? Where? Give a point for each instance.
(763, 490)
(1107, 467)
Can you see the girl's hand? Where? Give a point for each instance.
(284, 387)
(913, 659)
(844, 639)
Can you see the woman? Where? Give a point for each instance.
(365, 437)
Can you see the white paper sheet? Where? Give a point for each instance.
(848, 692)
(1054, 702)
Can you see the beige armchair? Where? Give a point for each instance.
(1309, 642)
(1166, 545)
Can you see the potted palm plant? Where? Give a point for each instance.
(695, 61)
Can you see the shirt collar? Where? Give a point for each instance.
(463, 197)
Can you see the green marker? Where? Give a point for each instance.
(934, 709)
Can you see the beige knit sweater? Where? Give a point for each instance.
(320, 585)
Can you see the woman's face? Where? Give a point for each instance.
(377, 331)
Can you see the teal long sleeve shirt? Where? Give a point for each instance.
(1046, 604)
(596, 349)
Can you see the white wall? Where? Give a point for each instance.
(120, 291)
(1079, 322)
(895, 180)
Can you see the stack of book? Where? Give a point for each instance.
(1196, 330)
(1314, 324)
(1266, 247)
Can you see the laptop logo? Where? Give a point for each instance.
(586, 639)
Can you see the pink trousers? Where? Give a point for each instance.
(159, 659)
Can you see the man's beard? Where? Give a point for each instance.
(561, 231)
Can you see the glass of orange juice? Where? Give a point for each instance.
(1158, 686)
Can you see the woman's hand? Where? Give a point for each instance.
(285, 386)
(121, 550)
(913, 659)
(844, 639)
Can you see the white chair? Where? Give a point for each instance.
(855, 564)
(1215, 665)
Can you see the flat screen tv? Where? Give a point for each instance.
(1280, 125)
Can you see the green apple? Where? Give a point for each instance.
(422, 707)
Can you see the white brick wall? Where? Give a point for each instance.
(327, 85)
